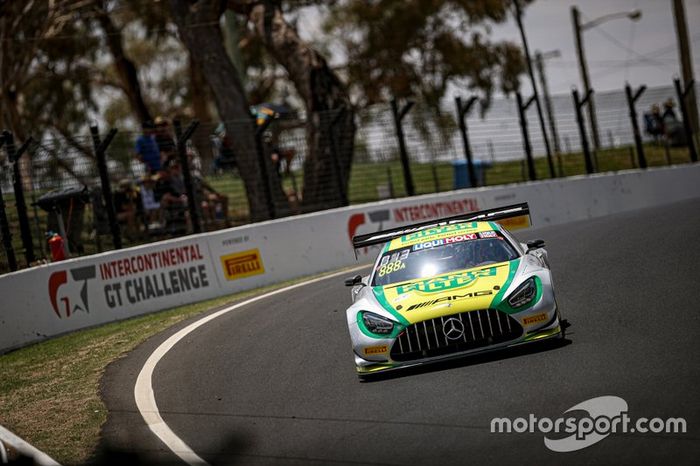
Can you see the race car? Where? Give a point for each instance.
(450, 288)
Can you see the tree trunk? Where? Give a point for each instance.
(323, 95)
(200, 32)
(199, 95)
(126, 70)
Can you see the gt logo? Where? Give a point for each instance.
(60, 278)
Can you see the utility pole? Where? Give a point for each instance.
(686, 63)
(539, 62)
(583, 67)
(519, 19)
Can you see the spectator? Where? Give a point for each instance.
(214, 206)
(151, 207)
(672, 127)
(165, 140)
(170, 193)
(224, 158)
(125, 205)
(653, 123)
(147, 148)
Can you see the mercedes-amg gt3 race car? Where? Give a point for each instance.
(449, 288)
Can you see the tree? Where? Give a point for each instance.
(198, 26)
(126, 70)
(402, 48)
(323, 94)
(43, 70)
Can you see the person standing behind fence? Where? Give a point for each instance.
(147, 148)
(673, 128)
(165, 140)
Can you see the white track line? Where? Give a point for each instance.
(143, 390)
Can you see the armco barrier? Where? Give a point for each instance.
(50, 300)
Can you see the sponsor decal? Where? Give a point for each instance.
(235, 240)
(376, 349)
(242, 264)
(488, 234)
(152, 280)
(441, 232)
(446, 282)
(410, 213)
(515, 223)
(393, 257)
(129, 280)
(535, 319)
(440, 242)
(448, 299)
(428, 211)
(75, 298)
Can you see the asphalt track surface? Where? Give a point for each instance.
(274, 382)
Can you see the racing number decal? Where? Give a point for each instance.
(391, 267)
(392, 263)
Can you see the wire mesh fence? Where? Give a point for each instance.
(241, 171)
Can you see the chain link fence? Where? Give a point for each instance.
(289, 166)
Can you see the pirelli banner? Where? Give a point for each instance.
(54, 299)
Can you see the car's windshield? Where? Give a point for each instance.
(442, 256)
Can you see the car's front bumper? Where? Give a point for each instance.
(538, 323)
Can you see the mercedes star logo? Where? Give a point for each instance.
(453, 329)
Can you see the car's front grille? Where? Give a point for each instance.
(455, 333)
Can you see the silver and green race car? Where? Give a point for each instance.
(450, 288)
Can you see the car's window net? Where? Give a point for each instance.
(441, 256)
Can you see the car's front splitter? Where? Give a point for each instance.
(552, 331)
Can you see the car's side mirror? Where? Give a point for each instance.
(356, 280)
(535, 244)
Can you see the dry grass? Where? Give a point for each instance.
(49, 392)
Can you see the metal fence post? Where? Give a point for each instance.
(532, 173)
(100, 148)
(5, 228)
(578, 103)
(682, 95)
(399, 114)
(336, 156)
(262, 166)
(14, 155)
(631, 101)
(462, 111)
(182, 138)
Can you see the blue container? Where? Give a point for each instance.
(461, 173)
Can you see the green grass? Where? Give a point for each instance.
(49, 391)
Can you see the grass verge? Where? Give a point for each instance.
(49, 392)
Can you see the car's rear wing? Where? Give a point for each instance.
(513, 217)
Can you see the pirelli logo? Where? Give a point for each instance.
(535, 319)
(242, 264)
(376, 349)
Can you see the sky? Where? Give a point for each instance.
(617, 51)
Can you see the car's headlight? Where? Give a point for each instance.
(377, 324)
(524, 294)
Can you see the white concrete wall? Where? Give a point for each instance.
(57, 298)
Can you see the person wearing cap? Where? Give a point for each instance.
(147, 148)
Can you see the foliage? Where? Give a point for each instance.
(402, 48)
